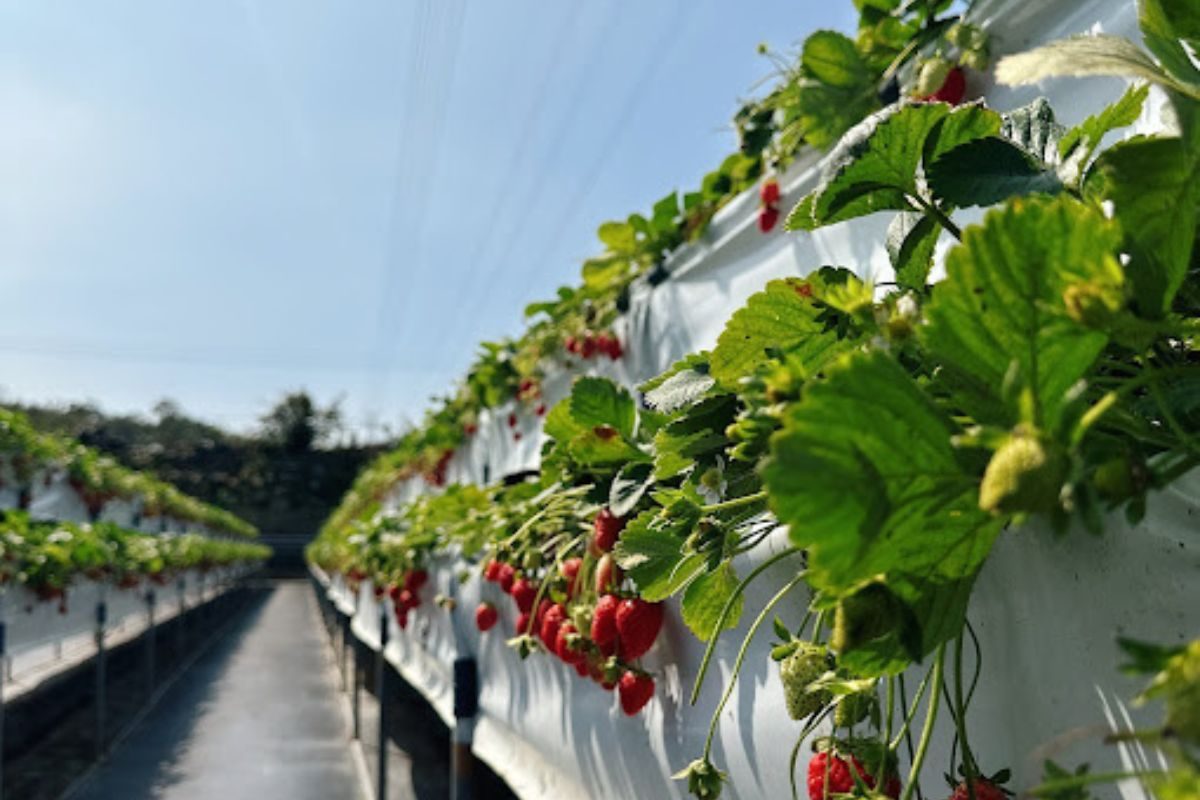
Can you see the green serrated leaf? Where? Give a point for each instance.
(559, 424)
(629, 487)
(604, 446)
(865, 475)
(1081, 141)
(649, 550)
(599, 401)
(832, 58)
(985, 171)
(681, 388)
(911, 241)
(706, 597)
(876, 165)
(619, 237)
(1002, 304)
(1154, 186)
(780, 317)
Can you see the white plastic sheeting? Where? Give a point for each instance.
(1047, 608)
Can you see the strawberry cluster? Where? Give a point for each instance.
(768, 205)
(406, 595)
(590, 344)
(579, 613)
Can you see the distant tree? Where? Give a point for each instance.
(297, 425)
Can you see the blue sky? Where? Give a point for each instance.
(218, 202)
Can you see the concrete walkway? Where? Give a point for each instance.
(256, 717)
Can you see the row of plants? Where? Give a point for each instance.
(48, 557)
(32, 455)
(881, 437)
(827, 85)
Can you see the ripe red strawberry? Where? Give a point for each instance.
(603, 342)
(608, 574)
(581, 668)
(523, 593)
(984, 790)
(768, 216)
(768, 193)
(512, 420)
(615, 351)
(635, 690)
(394, 592)
(485, 616)
(841, 781)
(402, 618)
(552, 620)
(491, 572)
(954, 88)
(408, 600)
(517, 436)
(562, 645)
(470, 428)
(570, 571)
(638, 624)
(604, 621)
(414, 580)
(505, 577)
(606, 529)
(540, 410)
(572, 344)
(588, 348)
(522, 623)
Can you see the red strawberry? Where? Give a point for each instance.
(570, 571)
(540, 410)
(505, 577)
(470, 428)
(512, 420)
(638, 624)
(581, 668)
(552, 620)
(635, 690)
(840, 779)
(572, 344)
(984, 790)
(768, 216)
(402, 618)
(615, 351)
(606, 529)
(408, 600)
(523, 592)
(604, 621)
(563, 648)
(954, 88)
(394, 592)
(414, 580)
(588, 348)
(517, 436)
(768, 193)
(491, 572)
(523, 623)
(485, 616)
(608, 574)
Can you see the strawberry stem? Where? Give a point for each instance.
(970, 768)
(741, 656)
(725, 612)
(914, 772)
(737, 502)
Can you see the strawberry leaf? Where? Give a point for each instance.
(1154, 186)
(911, 241)
(865, 475)
(876, 165)
(1002, 305)
(599, 401)
(705, 599)
(628, 488)
(985, 171)
(649, 550)
(780, 318)
(1081, 141)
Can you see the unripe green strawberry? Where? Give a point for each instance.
(805, 664)
(851, 710)
(1114, 479)
(932, 75)
(1024, 476)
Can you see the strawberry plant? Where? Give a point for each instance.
(897, 430)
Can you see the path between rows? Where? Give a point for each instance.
(256, 717)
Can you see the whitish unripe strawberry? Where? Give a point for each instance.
(851, 710)
(806, 663)
(1024, 476)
